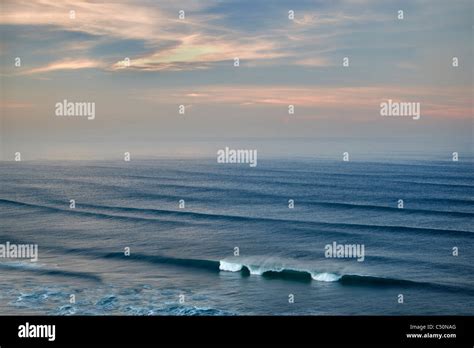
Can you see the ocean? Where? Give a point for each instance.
(235, 247)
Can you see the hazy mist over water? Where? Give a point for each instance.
(375, 148)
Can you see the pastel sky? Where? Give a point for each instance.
(190, 62)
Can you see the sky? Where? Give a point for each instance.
(81, 56)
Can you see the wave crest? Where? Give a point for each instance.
(275, 271)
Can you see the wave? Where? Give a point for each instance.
(265, 269)
(273, 197)
(96, 214)
(192, 263)
(268, 269)
(96, 302)
(275, 270)
(193, 311)
(367, 207)
(281, 272)
(40, 270)
(195, 216)
(133, 310)
(261, 179)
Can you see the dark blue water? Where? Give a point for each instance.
(177, 255)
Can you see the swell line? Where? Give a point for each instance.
(222, 217)
(50, 272)
(284, 273)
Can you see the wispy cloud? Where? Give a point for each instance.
(95, 18)
(8, 104)
(435, 102)
(196, 51)
(172, 44)
(67, 64)
(314, 62)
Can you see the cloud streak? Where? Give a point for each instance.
(435, 102)
(173, 44)
(67, 64)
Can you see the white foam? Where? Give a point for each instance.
(22, 265)
(259, 268)
(230, 266)
(325, 277)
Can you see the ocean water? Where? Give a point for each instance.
(182, 260)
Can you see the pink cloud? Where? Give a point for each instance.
(68, 64)
(435, 102)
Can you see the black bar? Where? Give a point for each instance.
(291, 331)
